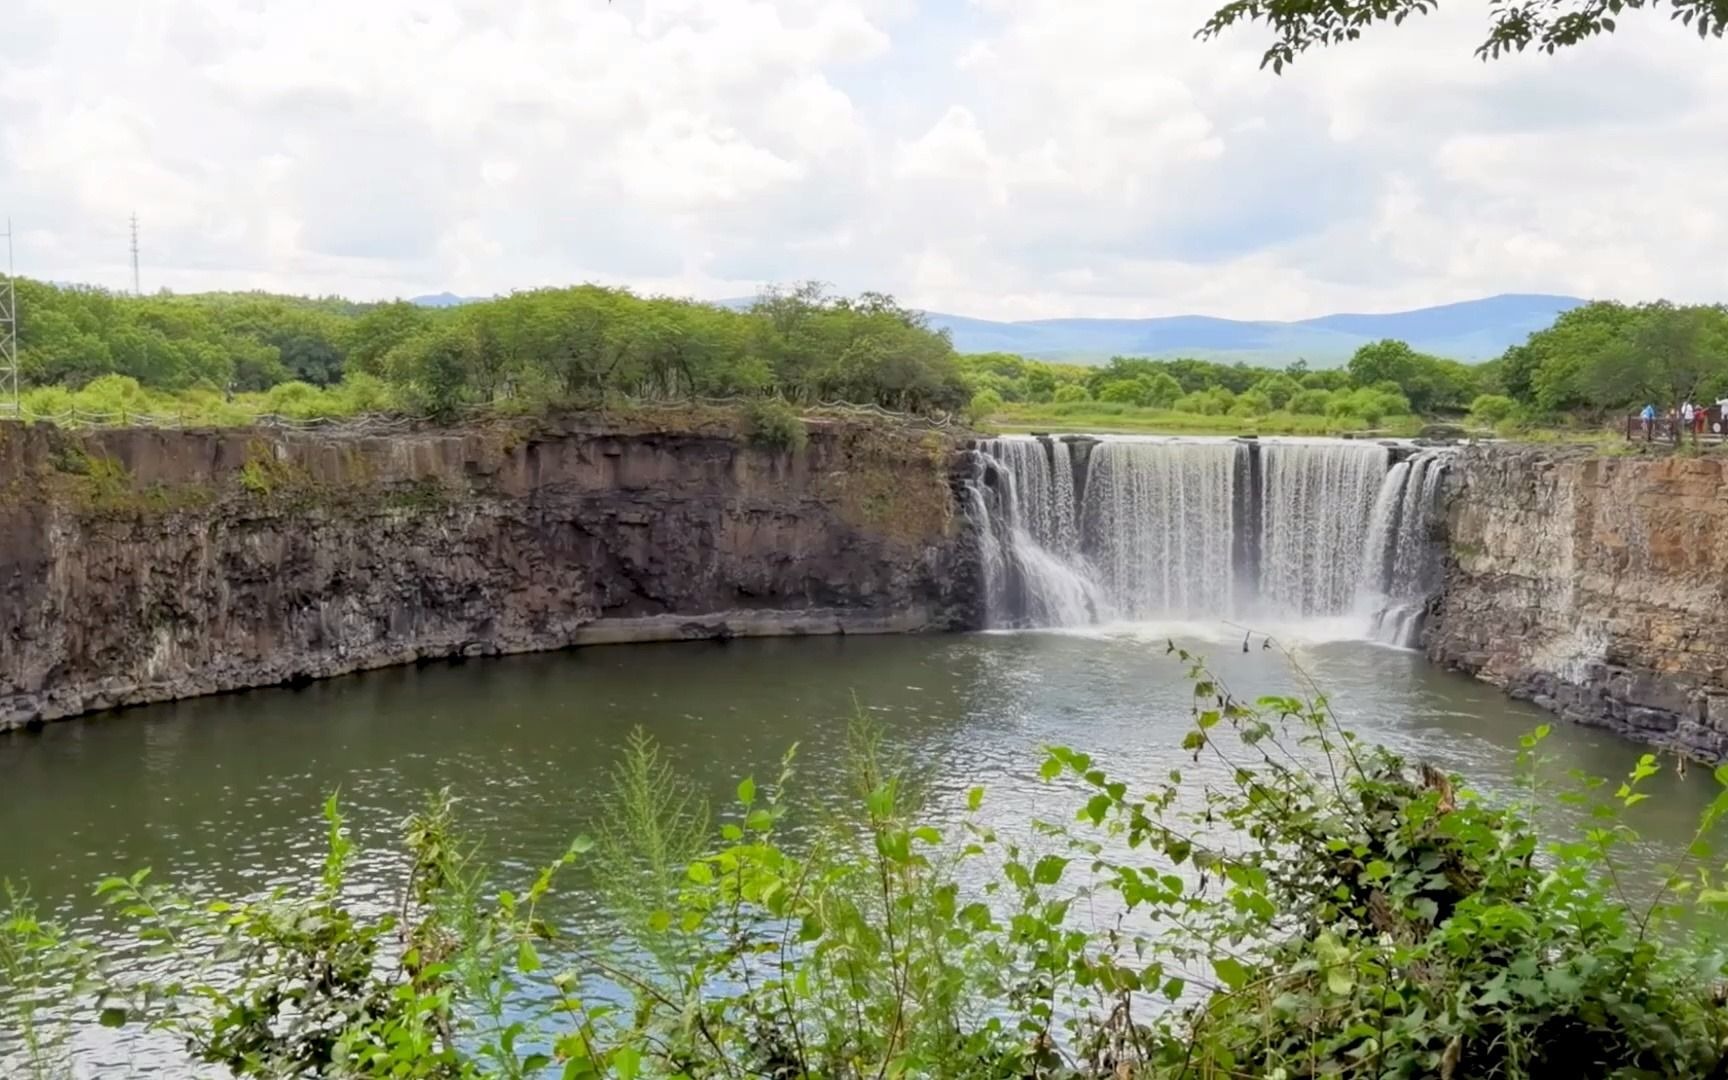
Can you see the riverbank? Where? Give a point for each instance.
(157, 565)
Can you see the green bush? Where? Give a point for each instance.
(1311, 402)
(776, 425)
(1251, 403)
(984, 404)
(1125, 392)
(1070, 392)
(47, 402)
(1490, 409)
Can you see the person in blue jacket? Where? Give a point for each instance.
(1649, 418)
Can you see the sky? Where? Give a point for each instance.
(1006, 159)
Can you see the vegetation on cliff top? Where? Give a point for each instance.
(230, 358)
(226, 357)
(1312, 907)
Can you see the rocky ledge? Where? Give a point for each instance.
(1595, 586)
(140, 566)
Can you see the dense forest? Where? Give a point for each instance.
(226, 357)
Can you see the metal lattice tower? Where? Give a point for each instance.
(9, 333)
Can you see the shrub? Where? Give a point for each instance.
(985, 403)
(1121, 392)
(1251, 403)
(1070, 392)
(1490, 409)
(776, 425)
(1311, 402)
(114, 396)
(47, 402)
(1279, 389)
(1160, 390)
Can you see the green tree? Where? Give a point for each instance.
(1160, 390)
(1490, 409)
(1279, 389)
(1547, 25)
(1669, 355)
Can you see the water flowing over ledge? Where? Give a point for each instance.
(1080, 531)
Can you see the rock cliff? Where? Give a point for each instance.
(1595, 586)
(140, 566)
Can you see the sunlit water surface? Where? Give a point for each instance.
(224, 793)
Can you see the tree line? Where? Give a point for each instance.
(228, 356)
(1383, 379)
(1606, 359)
(566, 345)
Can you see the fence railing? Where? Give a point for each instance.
(387, 422)
(1706, 424)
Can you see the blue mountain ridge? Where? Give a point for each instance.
(1468, 330)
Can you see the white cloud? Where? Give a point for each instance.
(1009, 158)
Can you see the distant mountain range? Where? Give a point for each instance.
(1471, 330)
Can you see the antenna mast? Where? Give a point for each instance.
(137, 290)
(9, 333)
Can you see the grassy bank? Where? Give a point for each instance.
(1104, 417)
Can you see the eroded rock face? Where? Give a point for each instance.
(1595, 586)
(141, 566)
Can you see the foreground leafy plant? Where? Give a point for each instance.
(1304, 905)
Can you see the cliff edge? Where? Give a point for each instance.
(140, 565)
(1595, 586)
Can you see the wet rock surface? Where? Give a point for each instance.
(140, 566)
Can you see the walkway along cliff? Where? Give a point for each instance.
(140, 566)
(1595, 586)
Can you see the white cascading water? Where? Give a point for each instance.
(1157, 520)
(1401, 565)
(1092, 531)
(1315, 499)
(1034, 572)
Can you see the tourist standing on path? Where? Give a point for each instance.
(1649, 418)
(1686, 414)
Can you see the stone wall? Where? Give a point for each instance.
(140, 566)
(1595, 586)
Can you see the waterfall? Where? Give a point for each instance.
(1316, 501)
(1401, 563)
(1158, 519)
(1022, 506)
(1096, 530)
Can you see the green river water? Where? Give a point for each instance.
(224, 792)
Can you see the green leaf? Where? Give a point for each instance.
(626, 1062)
(660, 921)
(1051, 769)
(582, 845)
(1231, 972)
(527, 960)
(1173, 989)
(975, 798)
(1340, 979)
(113, 1018)
(1049, 870)
(700, 872)
(747, 791)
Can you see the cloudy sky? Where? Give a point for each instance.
(999, 158)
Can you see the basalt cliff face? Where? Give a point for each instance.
(140, 566)
(1594, 586)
